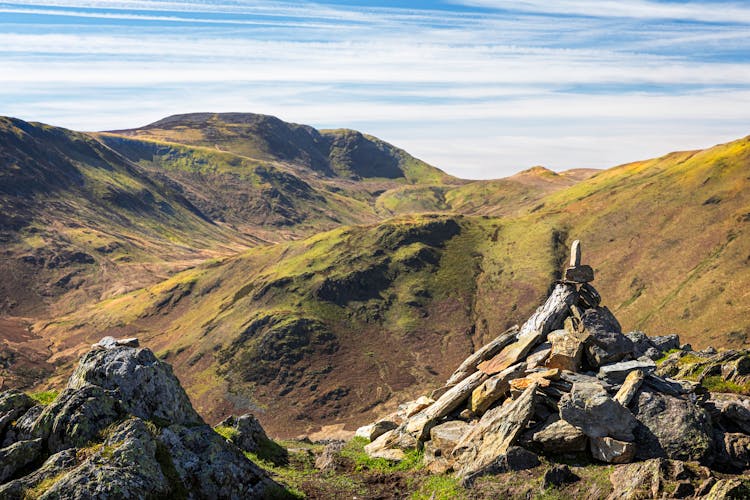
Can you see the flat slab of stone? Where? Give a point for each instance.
(494, 388)
(617, 372)
(629, 387)
(487, 442)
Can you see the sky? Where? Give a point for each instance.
(479, 88)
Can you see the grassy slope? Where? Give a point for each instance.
(349, 321)
(81, 216)
(346, 322)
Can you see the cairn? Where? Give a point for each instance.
(568, 382)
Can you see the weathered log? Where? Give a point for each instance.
(420, 424)
(547, 318)
(469, 365)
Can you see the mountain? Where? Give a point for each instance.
(317, 270)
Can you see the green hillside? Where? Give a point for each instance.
(366, 299)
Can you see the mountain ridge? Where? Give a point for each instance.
(314, 276)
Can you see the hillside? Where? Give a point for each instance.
(303, 331)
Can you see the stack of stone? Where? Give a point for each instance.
(568, 382)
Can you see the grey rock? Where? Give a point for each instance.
(732, 451)
(641, 343)
(612, 451)
(589, 408)
(589, 296)
(17, 456)
(203, 461)
(671, 427)
(111, 342)
(650, 479)
(579, 274)
(392, 444)
(381, 427)
(731, 411)
(443, 438)
(447, 435)
(480, 449)
(616, 373)
(13, 404)
(558, 475)
(124, 466)
(726, 489)
(330, 459)
(606, 343)
(666, 342)
(514, 459)
(558, 436)
(23, 427)
(250, 436)
(54, 466)
(77, 416)
(148, 389)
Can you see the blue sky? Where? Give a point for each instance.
(480, 88)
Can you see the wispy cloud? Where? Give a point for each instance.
(482, 89)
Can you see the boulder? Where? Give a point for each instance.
(605, 342)
(494, 388)
(589, 296)
(113, 428)
(731, 411)
(514, 459)
(203, 461)
(732, 451)
(612, 451)
(147, 387)
(558, 436)
(666, 342)
(589, 408)
(671, 427)
(124, 466)
(653, 478)
(23, 427)
(396, 439)
(55, 466)
(480, 450)
(566, 352)
(443, 438)
(17, 456)
(13, 404)
(616, 373)
(629, 387)
(249, 435)
(77, 416)
(330, 459)
(558, 475)
(111, 342)
(726, 489)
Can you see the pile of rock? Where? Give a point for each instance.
(569, 382)
(122, 428)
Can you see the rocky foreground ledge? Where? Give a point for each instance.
(570, 387)
(122, 428)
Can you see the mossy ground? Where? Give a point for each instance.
(363, 477)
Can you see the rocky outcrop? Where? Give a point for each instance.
(122, 428)
(571, 382)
